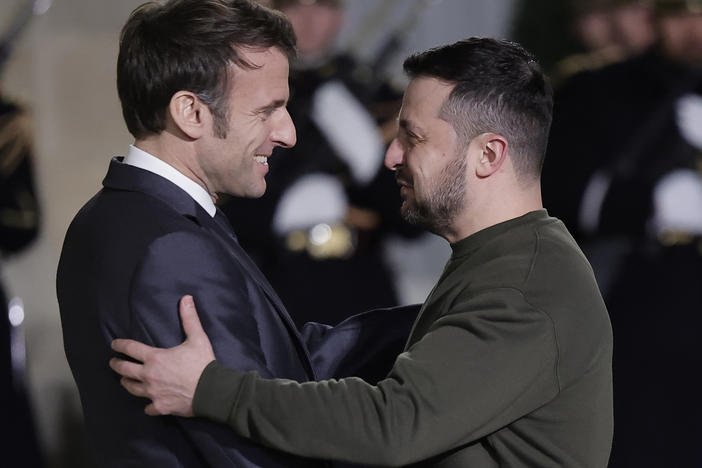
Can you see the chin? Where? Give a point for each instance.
(408, 213)
(259, 192)
(408, 205)
(255, 194)
(249, 192)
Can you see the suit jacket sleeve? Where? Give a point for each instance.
(187, 263)
(480, 367)
(364, 345)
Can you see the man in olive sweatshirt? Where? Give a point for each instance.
(509, 360)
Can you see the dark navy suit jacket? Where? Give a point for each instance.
(129, 255)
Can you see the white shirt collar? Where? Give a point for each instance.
(143, 160)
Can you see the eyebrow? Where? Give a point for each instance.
(410, 127)
(273, 105)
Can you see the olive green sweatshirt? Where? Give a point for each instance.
(508, 364)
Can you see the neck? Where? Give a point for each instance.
(479, 214)
(176, 152)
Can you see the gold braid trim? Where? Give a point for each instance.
(25, 216)
(15, 140)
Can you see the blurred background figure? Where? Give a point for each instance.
(623, 171)
(576, 35)
(19, 225)
(607, 31)
(620, 130)
(318, 232)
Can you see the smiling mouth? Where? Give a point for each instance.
(261, 160)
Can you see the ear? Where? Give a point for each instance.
(493, 153)
(189, 114)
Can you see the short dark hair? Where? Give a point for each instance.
(190, 45)
(282, 4)
(498, 88)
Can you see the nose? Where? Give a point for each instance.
(394, 155)
(284, 133)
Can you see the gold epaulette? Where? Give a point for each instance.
(590, 61)
(15, 139)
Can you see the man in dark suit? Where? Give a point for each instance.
(203, 86)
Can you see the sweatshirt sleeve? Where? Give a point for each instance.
(490, 361)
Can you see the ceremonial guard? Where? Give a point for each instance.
(623, 171)
(19, 226)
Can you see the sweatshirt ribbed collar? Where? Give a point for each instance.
(473, 242)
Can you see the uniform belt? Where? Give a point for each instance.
(323, 241)
(674, 238)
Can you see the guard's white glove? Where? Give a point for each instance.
(677, 202)
(689, 119)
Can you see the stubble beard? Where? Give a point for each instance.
(445, 200)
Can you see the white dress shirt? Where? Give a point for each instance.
(143, 160)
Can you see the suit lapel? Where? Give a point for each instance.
(121, 176)
(226, 236)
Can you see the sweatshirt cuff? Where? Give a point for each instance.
(216, 392)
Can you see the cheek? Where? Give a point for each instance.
(423, 174)
(258, 136)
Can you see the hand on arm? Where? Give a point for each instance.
(505, 370)
(168, 377)
(488, 362)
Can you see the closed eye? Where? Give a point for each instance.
(409, 139)
(266, 111)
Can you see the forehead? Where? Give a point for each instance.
(424, 97)
(269, 75)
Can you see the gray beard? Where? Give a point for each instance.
(444, 202)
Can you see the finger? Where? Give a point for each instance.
(134, 387)
(188, 315)
(131, 348)
(132, 370)
(151, 410)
